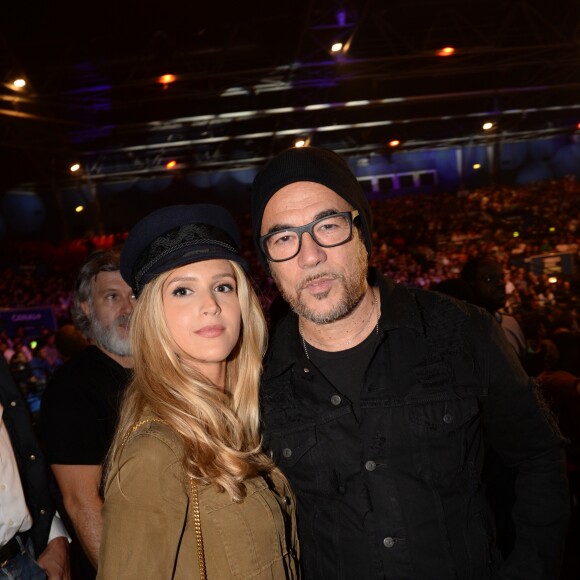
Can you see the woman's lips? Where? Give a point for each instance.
(211, 331)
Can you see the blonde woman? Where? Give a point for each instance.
(188, 492)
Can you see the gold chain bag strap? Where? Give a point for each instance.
(194, 500)
(197, 525)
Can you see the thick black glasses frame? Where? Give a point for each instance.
(350, 215)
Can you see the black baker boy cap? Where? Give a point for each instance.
(315, 164)
(177, 235)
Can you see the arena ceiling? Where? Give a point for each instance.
(253, 77)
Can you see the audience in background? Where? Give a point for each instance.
(419, 240)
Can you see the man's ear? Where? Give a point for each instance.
(85, 308)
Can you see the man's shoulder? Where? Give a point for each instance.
(87, 359)
(432, 307)
(88, 367)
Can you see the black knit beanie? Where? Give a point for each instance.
(308, 164)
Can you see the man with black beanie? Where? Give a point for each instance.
(378, 401)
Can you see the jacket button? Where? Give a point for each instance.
(388, 542)
(448, 418)
(33, 457)
(306, 370)
(42, 512)
(13, 403)
(335, 400)
(286, 452)
(370, 465)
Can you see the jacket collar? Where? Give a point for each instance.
(285, 347)
(398, 309)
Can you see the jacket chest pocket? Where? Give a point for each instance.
(287, 449)
(446, 437)
(297, 455)
(253, 534)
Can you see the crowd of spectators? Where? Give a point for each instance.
(419, 240)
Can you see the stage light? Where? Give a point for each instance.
(477, 166)
(552, 279)
(487, 126)
(75, 167)
(300, 143)
(79, 208)
(171, 164)
(552, 229)
(447, 51)
(336, 47)
(19, 83)
(166, 79)
(394, 143)
(516, 234)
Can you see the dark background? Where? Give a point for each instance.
(252, 77)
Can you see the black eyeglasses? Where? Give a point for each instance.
(328, 232)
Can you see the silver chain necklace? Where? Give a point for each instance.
(352, 338)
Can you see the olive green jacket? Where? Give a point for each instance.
(148, 525)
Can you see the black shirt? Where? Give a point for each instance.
(345, 369)
(80, 407)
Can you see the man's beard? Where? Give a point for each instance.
(354, 286)
(108, 336)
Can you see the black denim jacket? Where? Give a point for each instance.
(399, 495)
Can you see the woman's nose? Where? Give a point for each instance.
(210, 305)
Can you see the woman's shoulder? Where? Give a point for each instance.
(150, 432)
(149, 462)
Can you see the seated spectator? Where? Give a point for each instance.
(486, 280)
(51, 353)
(560, 385)
(40, 368)
(7, 350)
(21, 372)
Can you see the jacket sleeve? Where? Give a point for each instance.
(144, 513)
(521, 430)
(32, 466)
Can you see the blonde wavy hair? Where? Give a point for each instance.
(219, 430)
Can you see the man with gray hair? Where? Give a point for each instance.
(80, 405)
